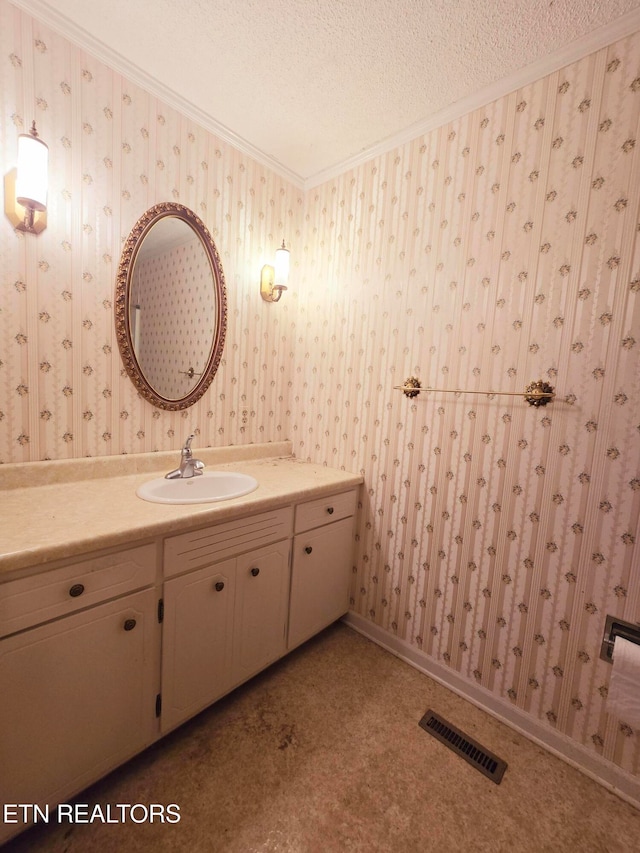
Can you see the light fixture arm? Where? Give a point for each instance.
(272, 277)
(269, 290)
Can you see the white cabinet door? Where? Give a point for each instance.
(197, 641)
(77, 699)
(320, 575)
(262, 598)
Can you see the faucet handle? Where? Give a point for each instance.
(189, 467)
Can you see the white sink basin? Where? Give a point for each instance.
(208, 487)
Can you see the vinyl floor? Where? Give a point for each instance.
(323, 753)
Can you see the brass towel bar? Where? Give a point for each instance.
(536, 393)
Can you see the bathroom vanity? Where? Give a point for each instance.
(120, 618)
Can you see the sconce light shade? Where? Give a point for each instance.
(273, 279)
(33, 161)
(282, 266)
(25, 197)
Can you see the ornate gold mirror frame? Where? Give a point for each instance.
(125, 332)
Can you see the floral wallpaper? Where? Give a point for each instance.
(114, 152)
(499, 249)
(494, 537)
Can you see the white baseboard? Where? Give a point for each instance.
(613, 778)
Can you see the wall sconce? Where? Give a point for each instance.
(25, 187)
(273, 279)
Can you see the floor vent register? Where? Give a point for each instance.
(472, 752)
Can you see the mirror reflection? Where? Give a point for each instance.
(170, 307)
(171, 303)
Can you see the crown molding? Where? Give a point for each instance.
(85, 41)
(622, 27)
(602, 37)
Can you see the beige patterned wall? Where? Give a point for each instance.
(499, 249)
(494, 251)
(114, 152)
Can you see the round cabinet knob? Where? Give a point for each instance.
(255, 572)
(219, 586)
(330, 510)
(129, 624)
(308, 549)
(76, 590)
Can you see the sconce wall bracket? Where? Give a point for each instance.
(270, 291)
(22, 218)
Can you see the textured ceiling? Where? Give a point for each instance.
(311, 84)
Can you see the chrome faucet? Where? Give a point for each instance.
(189, 467)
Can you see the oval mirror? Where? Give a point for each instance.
(171, 307)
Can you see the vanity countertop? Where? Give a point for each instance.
(58, 510)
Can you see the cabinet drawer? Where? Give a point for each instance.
(30, 601)
(324, 510)
(198, 548)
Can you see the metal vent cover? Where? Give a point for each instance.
(457, 741)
